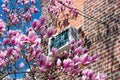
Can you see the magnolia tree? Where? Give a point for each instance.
(24, 44)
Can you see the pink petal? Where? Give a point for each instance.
(21, 65)
(58, 62)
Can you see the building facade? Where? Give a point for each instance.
(102, 24)
(104, 35)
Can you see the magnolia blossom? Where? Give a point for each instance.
(54, 51)
(52, 2)
(85, 50)
(76, 59)
(49, 8)
(84, 77)
(38, 24)
(35, 23)
(6, 41)
(33, 1)
(43, 31)
(79, 43)
(42, 69)
(21, 65)
(47, 62)
(84, 58)
(2, 25)
(9, 50)
(42, 20)
(94, 57)
(27, 16)
(69, 1)
(72, 41)
(33, 9)
(50, 31)
(67, 63)
(13, 17)
(62, 8)
(79, 50)
(59, 62)
(42, 59)
(4, 7)
(74, 12)
(66, 53)
(100, 76)
(25, 1)
(72, 47)
(2, 54)
(32, 36)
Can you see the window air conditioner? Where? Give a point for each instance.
(61, 41)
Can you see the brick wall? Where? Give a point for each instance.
(105, 39)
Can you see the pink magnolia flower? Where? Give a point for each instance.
(4, 7)
(25, 1)
(2, 54)
(79, 43)
(72, 41)
(2, 25)
(10, 33)
(47, 62)
(9, 50)
(59, 62)
(85, 72)
(54, 51)
(42, 20)
(42, 69)
(76, 72)
(16, 54)
(12, 41)
(13, 17)
(27, 16)
(35, 23)
(84, 77)
(50, 31)
(67, 63)
(72, 47)
(19, 1)
(94, 58)
(32, 36)
(42, 59)
(62, 8)
(6, 41)
(100, 76)
(85, 50)
(33, 9)
(84, 58)
(69, 1)
(42, 32)
(49, 9)
(90, 74)
(76, 59)
(33, 1)
(52, 2)
(21, 65)
(75, 12)
(79, 50)
(66, 53)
